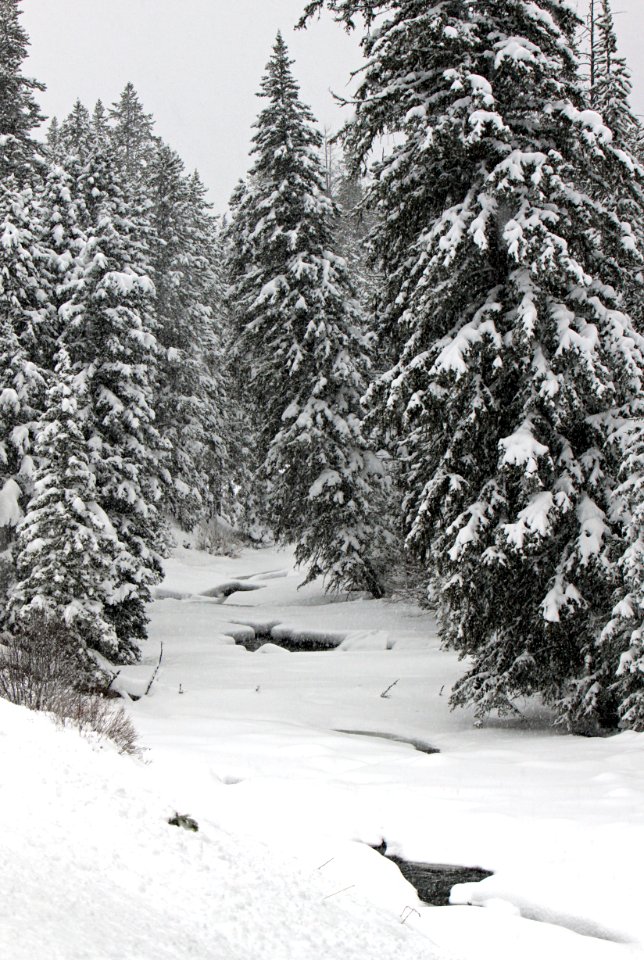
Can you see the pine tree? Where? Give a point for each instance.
(208, 281)
(100, 124)
(22, 300)
(501, 265)
(76, 134)
(352, 228)
(110, 340)
(54, 149)
(61, 240)
(246, 507)
(300, 346)
(189, 403)
(622, 643)
(132, 134)
(610, 93)
(66, 547)
(19, 112)
(611, 80)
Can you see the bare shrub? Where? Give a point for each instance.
(91, 713)
(44, 667)
(217, 538)
(39, 664)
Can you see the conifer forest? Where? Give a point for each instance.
(403, 369)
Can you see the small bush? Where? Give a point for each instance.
(91, 713)
(218, 539)
(40, 663)
(44, 667)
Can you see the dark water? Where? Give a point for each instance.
(434, 881)
(419, 745)
(299, 644)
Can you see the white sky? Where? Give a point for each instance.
(197, 65)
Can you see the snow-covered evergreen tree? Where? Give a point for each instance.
(110, 340)
(352, 227)
(246, 508)
(300, 346)
(66, 547)
(132, 134)
(622, 647)
(208, 281)
(54, 147)
(22, 305)
(76, 134)
(100, 124)
(61, 240)
(190, 406)
(19, 112)
(612, 84)
(502, 269)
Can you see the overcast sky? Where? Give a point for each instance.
(197, 65)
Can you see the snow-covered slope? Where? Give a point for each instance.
(90, 870)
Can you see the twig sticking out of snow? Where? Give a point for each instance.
(112, 679)
(344, 889)
(406, 914)
(385, 693)
(156, 670)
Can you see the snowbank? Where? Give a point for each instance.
(91, 870)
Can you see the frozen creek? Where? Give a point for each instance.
(280, 746)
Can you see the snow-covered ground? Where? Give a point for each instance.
(249, 745)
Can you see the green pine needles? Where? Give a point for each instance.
(302, 350)
(513, 304)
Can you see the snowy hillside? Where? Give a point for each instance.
(91, 869)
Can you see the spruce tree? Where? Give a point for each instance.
(132, 135)
(300, 346)
(208, 281)
(612, 85)
(246, 507)
(54, 147)
(23, 297)
(610, 93)
(61, 240)
(189, 403)
(76, 134)
(622, 646)
(66, 547)
(19, 112)
(352, 228)
(100, 124)
(502, 264)
(110, 340)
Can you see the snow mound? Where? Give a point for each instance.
(273, 648)
(224, 590)
(367, 640)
